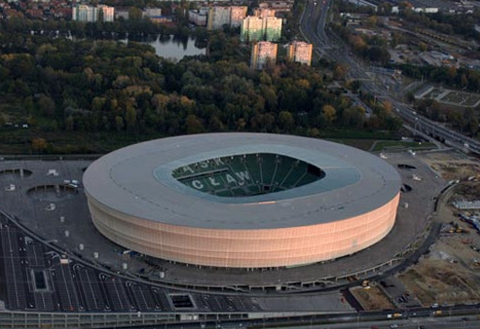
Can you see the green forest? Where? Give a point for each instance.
(57, 89)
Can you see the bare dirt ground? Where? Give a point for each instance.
(467, 191)
(439, 281)
(451, 165)
(456, 169)
(450, 272)
(371, 299)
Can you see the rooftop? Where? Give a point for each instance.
(138, 181)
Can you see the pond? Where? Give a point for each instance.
(173, 48)
(166, 46)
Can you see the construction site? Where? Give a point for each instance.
(449, 273)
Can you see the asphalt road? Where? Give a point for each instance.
(313, 26)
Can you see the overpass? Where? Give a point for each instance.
(313, 27)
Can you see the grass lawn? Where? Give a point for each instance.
(19, 141)
(362, 144)
(401, 146)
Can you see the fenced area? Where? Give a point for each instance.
(452, 97)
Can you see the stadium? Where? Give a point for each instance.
(242, 200)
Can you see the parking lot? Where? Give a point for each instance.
(56, 212)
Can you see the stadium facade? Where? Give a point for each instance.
(242, 200)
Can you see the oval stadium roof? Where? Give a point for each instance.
(137, 180)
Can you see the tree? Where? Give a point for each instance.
(397, 39)
(135, 14)
(378, 54)
(186, 104)
(98, 103)
(340, 72)
(463, 81)
(130, 117)
(264, 78)
(39, 145)
(214, 124)
(118, 123)
(388, 106)
(371, 21)
(328, 114)
(358, 43)
(160, 102)
(20, 65)
(470, 122)
(69, 123)
(452, 73)
(286, 121)
(20, 88)
(422, 46)
(355, 86)
(385, 8)
(405, 5)
(46, 105)
(270, 97)
(353, 117)
(240, 124)
(193, 125)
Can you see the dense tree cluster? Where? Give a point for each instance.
(462, 78)
(462, 24)
(372, 48)
(464, 120)
(59, 84)
(103, 30)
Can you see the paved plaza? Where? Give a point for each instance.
(43, 199)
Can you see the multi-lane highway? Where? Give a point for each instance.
(313, 27)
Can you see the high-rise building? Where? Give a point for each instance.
(278, 6)
(256, 29)
(264, 12)
(300, 52)
(84, 13)
(272, 28)
(217, 17)
(263, 52)
(197, 17)
(238, 14)
(252, 29)
(152, 12)
(105, 13)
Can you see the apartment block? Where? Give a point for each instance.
(84, 13)
(277, 6)
(197, 17)
(251, 29)
(238, 14)
(300, 52)
(272, 28)
(152, 12)
(263, 52)
(257, 29)
(105, 13)
(217, 17)
(264, 12)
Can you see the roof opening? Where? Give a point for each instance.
(247, 174)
